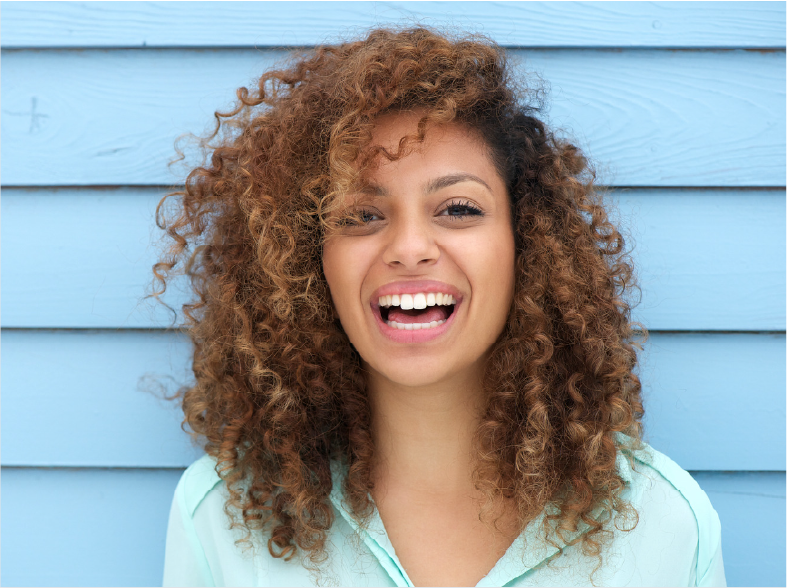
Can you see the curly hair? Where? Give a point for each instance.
(279, 392)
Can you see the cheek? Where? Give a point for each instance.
(331, 267)
(341, 264)
(506, 259)
(495, 260)
(489, 265)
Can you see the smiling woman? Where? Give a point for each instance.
(413, 355)
(436, 223)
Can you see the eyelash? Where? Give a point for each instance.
(466, 207)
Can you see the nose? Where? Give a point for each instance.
(411, 245)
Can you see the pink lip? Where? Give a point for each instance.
(415, 287)
(425, 286)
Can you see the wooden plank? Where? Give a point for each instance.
(521, 24)
(693, 273)
(98, 402)
(649, 118)
(103, 527)
(749, 503)
(136, 504)
(91, 271)
(92, 267)
(87, 407)
(697, 387)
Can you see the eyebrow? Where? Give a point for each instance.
(433, 185)
(451, 179)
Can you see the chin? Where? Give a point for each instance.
(418, 372)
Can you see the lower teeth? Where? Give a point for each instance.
(414, 326)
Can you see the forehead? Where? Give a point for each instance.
(451, 149)
(450, 154)
(390, 129)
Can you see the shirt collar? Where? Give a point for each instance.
(372, 532)
(527, 552)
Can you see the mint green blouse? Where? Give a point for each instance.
(677, 541)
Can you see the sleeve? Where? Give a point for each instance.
(711, 572)
(710, 567)
(185, 563)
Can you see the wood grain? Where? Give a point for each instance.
(93, 399)
(648, 118)
(521, 24)
(83, 258)
(103, 527)
(700, 388)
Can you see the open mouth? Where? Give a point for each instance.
(414, 312)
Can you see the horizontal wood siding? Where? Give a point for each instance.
(680, 105)
(650, 118)
(85, 527)
(519, 24)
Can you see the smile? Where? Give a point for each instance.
(413, 312)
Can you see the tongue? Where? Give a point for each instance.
(427, 315)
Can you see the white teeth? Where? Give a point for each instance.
(414, 326)
(418, 301)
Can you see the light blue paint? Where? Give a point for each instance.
(85, 527)
(94, 399)
(92, 269)
(716, 402)
(648, 118)
(751, 508)
(522, 24)
(95, 403)
(107, 527)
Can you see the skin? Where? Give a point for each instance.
(426, 396)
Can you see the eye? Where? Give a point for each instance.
(461, 209)
(367, 216)
(360, 217)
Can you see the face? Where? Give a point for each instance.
(424, 282)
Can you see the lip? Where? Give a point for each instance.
(414, 287)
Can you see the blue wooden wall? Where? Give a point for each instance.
(682, 105)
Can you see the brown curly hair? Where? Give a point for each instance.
(279, 392)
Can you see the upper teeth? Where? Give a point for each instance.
(420, 300)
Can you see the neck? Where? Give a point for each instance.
(423, 436)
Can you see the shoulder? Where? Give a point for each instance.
(655, 478)
(651, 468)
(199, 479)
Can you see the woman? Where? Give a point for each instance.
(413, 357)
